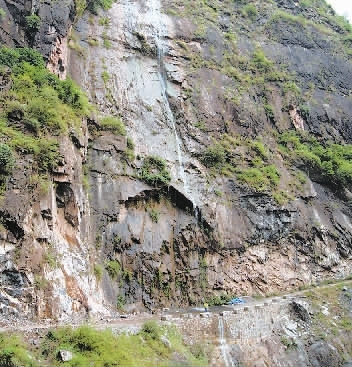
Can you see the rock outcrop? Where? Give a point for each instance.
(99, 236)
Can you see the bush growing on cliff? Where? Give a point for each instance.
(113, 268)
(37, 106)
(214, 156)
(11, 57)
(250, 11)
(261, 179)
(94, 5)
(33, 23)
(331, 161)
(154, 171)
(113, 124)
(6, 159)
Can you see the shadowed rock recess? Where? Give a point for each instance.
(241, 112)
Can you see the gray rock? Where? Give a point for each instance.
(322, 354)
(300, 311)
(165, 341)
(65, 355)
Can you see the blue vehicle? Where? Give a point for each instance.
(236, 301)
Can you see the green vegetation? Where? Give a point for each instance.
(93, 41)
(248, 160)
(104, 21)
(91, 347)
(92, 5)
(113, 268)
(98, 271)
(154, 215)
(50, 258)
(219, 300)
(337, 321)
(6, 159)
(250, 11)
(104, 349)
(261, 178)
(154, 171)
(105, 76)
(288, 343)
(14, 352)
(129, 153)
(331, 161)
(33, 23)
(37, 108)
(106, 41)
(113, 124)
(120, 302)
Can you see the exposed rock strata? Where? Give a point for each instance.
(212, 235)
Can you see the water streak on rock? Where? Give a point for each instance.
(224, 347)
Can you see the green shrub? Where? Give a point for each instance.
(154, 215)
(106, 41)
(214, 156)
(98, 271)
(13, 352)
(47, 104)
(269, 110)
(105, 76)
(250, 11)
(6, 159)
(104, 21)
(258, 147)
(154, 171)
(260, 62)
(11, 57)
(94, 5)
(33, 22)
(91, 347)
(332, 161)
(113, 268)
(261, 179)
(113, 124)
(48, 154)
(151, 329)
(120, 302)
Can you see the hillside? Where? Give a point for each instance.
(308, 328)
(176, 152)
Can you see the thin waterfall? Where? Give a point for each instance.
(160, 53)
(224, 347)
(168, 112)
(148, 20)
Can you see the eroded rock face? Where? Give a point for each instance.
(323, 355)
(204, 234)
(49, 38)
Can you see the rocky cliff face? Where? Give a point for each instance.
(210, 89)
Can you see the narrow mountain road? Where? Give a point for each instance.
(135, 321)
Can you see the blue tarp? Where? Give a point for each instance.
(236, 301)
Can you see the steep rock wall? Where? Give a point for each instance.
(78, 248)
(248, 239)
